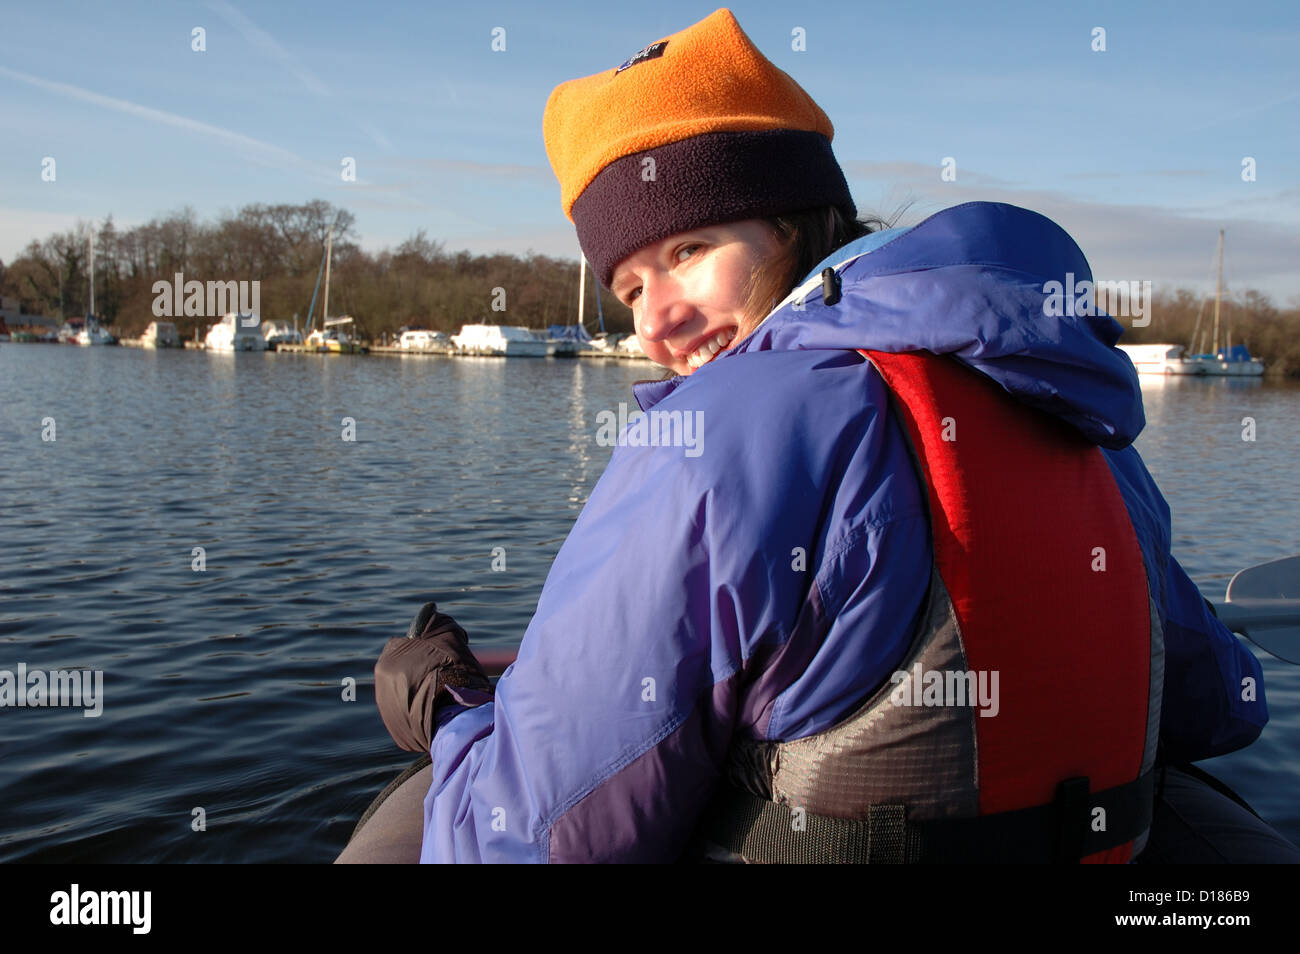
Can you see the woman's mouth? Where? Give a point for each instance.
(705, 352)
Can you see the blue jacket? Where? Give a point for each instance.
(766, 574)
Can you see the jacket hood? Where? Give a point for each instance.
(971, 281)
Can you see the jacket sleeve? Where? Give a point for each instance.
(697, 599)
(1213, 700)
(605, 738)
(1214, 686)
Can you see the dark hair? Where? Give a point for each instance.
(806, 238)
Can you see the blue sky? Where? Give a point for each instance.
(1136, 151)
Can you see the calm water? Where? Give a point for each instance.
(224, 687)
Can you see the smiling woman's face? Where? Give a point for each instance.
(687, 292)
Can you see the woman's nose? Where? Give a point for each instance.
(662, 310)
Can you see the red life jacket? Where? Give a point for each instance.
(1038, 577)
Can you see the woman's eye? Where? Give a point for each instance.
(633, 294)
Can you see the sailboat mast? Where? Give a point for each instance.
(582, 285)
(1218, 294)
(329, 247)
(90, 243)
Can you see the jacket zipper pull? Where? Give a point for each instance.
(830, 286)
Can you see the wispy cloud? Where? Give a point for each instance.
(376, 136)
(264, 151)
(1096, 175)
(1166, 246)
(1238, 114)
(272, 48)
(19, 226)
(267, 44)
(915, 171)
(1142, 173)
(466, 167)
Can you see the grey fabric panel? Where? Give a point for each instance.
(1140, 844)
(1156, 689)
(1156, 693)
(923, 757)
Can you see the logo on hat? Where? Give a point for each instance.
(649, 53)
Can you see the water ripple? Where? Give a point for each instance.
(224, 685)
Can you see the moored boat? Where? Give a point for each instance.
(279, 333)
(500, 340)
(569, 340)
(1228, 361)
(605, 343)
(1232, 362)
(71, 328)
(235, 332)
(92, 333)
(631, 345)
(334, 338)
(1161, 359)
(422, 339)
(160, 334)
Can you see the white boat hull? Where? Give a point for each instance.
(239, 344)
(500, 341)
(1169, 359)
(1233, 369)
(230, 335)
(512, 349)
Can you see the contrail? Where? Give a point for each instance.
(270, 46)
(267, 151)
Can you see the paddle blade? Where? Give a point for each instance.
(1284, 643)
(1263, 602)
(1277, 580)
(1272, 625)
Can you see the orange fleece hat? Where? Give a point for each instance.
(698, 128)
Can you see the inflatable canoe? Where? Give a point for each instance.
(1197, 820)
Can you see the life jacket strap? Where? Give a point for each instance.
(1077, 824)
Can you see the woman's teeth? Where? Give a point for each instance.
(705, 352)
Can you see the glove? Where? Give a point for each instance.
(413, 674)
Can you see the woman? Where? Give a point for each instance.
(904, 592)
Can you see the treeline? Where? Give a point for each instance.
(418, 284)
(421, 284)
(1182, 317)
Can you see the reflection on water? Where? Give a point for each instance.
(224, 688)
